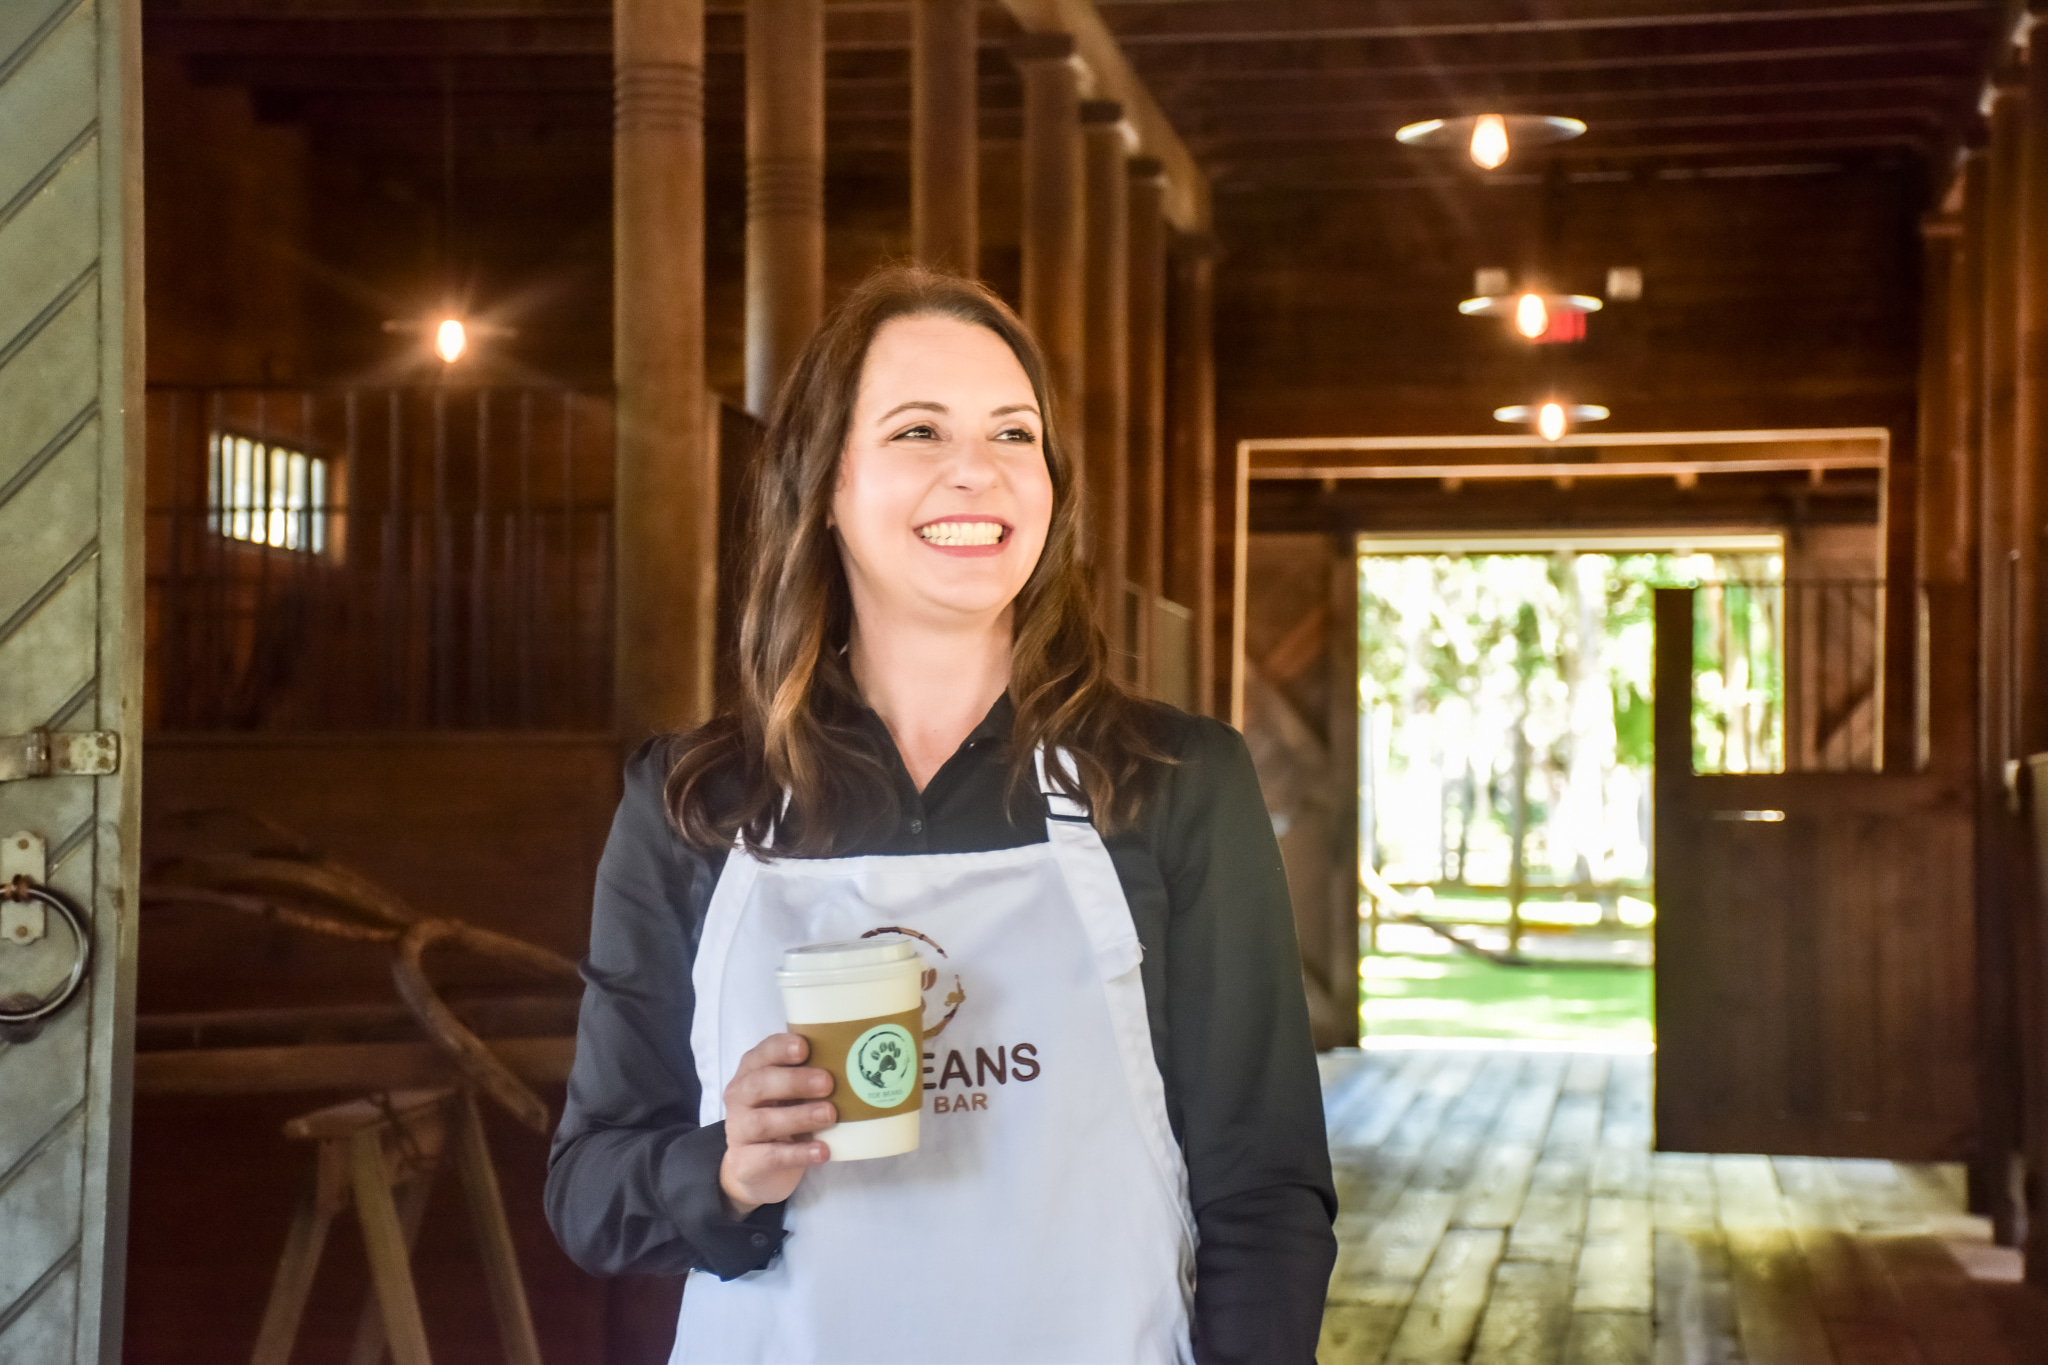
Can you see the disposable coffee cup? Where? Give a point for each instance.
(860, 1006)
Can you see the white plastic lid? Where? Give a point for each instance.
(860, 952)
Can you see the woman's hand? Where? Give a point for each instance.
(772, 1106)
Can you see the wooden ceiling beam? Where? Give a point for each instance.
(1548, 90)
(1381, 119)
(1147, 24)
(1615, 138)
(1957, 57)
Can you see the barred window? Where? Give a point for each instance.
(266, 494)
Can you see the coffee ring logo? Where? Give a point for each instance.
(955, 998)
(882, 1066)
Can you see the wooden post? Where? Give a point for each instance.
(1191, 458)
(944, 140)
(2004, 854)
(1053, 226)
(1106, 317)
(1342, 727)
(2030, 406)
(785, 188)
(1145, 553)
(666, 484)
(2001, 347)
(1957, 720)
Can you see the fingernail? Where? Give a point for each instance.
(822, 1113)
(819, 1152)
(822, 1084)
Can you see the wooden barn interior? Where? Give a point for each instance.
(323, 633)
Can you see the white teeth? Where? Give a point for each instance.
(962, 532)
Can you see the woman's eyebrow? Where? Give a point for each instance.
(1031, 408)
(915, 404)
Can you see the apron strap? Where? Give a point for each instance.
(1058, 805)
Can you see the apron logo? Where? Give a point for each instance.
(955, 998)
(878, 1066)
(1010, 1063)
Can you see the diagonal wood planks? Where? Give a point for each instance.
(1505, 1208)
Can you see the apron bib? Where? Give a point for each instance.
(1044, 1216)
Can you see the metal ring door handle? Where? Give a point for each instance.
(22, 889)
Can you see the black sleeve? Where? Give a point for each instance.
(1242, 1065)
(633, 1177)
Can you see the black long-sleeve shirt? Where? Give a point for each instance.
(633, 1178)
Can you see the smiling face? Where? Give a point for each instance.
(944, 497)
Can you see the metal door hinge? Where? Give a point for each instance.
(64, 753)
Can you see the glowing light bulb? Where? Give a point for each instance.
(1532, 316)
(451, 339)
(1489, 141)
(1550, 421)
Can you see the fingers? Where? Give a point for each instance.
(772, 1106)
(777, 1085)
(777, 1049)
(778, 1124)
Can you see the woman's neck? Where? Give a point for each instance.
(931, 687)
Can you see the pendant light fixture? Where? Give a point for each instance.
(1535, 314)
(1489, 139)
(1553, 417)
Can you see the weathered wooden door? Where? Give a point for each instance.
(1815, 949)
(1301, 723)
(70, 675)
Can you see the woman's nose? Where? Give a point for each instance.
(975, 465)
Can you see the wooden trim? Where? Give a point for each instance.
(1529, 441)
(337, 1066)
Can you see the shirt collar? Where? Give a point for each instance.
(997, 725)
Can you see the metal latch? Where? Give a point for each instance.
(65, 753)
(23, 854)
(26, 907)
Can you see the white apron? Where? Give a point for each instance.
(1044, 1217)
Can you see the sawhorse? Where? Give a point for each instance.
(382, 1153)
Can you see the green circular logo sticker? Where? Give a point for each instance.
(881, 1066)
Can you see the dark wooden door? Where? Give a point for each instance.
(1815, 950)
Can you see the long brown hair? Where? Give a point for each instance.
(792, 734)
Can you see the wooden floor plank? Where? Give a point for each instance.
(1388, 1263)
(1774, 1298)
(1506, 1209)
(1695, 1320)
(1357, 1333)
(1682, 1191)
(1947, 1314)
(1447, 1305)
(1615, 1260)
(1528, 1317)
(1608, 1339)
(1622, 1167)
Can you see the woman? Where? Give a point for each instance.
(1123, 1155)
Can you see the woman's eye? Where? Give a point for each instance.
(1024, 434)
(923, 431)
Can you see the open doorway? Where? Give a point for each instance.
(1505, 771)
(1785, 529)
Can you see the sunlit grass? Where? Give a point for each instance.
(1547, 909)
(1458, 996)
